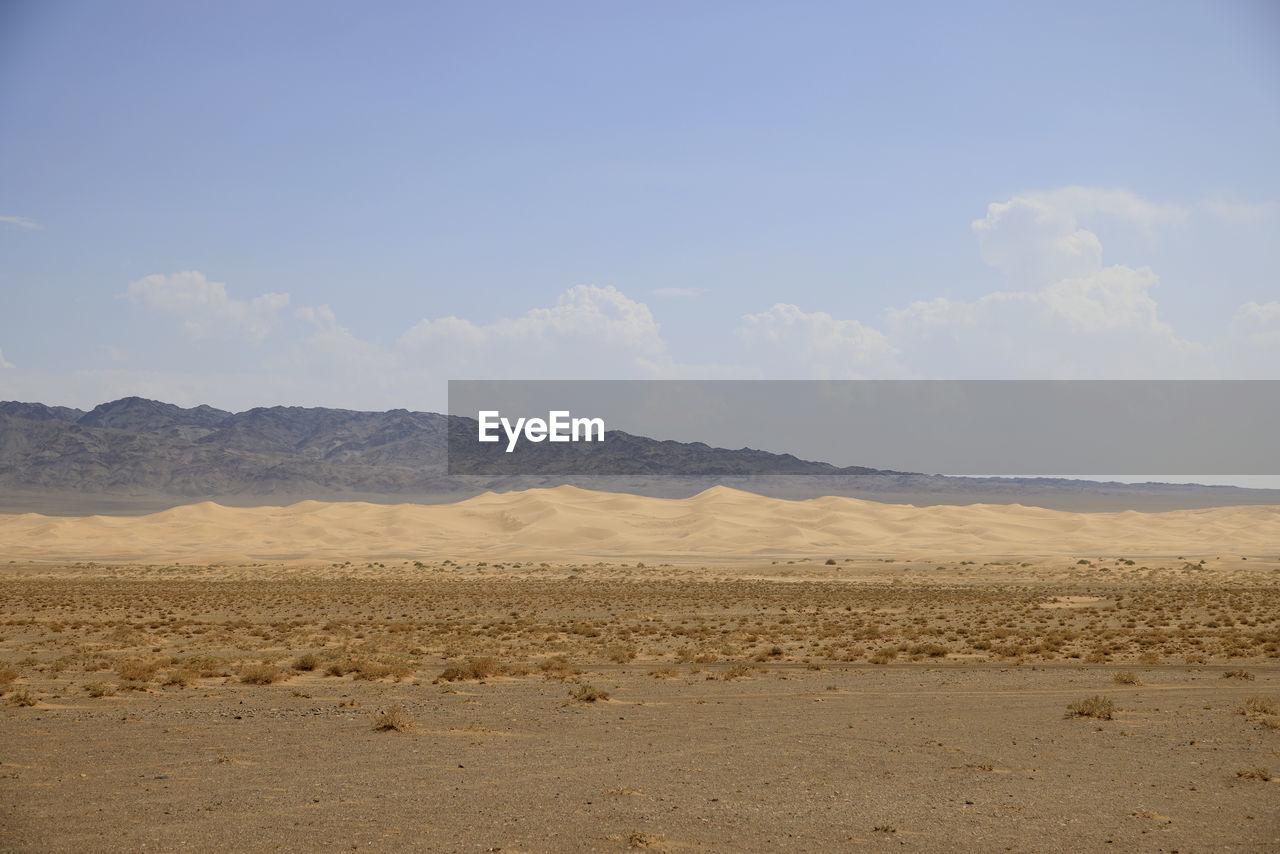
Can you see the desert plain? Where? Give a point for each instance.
(564, 670)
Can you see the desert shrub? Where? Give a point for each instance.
(100, 689)
(883, 655)
(588, 693)
(557, 667)
(392, 719)
(1096, 706)
(7, 676)
(260, 674)
(1259, 706)
(371, 670)
(736, 671)
(22, 699)
(473, 669)
(664, 673)
(1238, 674)
(1126, 677)
(136, 671)
(621, 654)
(307, 661)
(179, 678)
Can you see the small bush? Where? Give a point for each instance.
(1238, 674)
(1096, 706)
(135, 670)
(179, 678)
(557, 667)
(392, 719)
(473, 669)
(22, 699)
(7, 675)
(308, 661)
(1126, 677)
(1259, 706)
(260, 674)
(100, 689)
(1258, 773)
(588, 693)
(621, 654)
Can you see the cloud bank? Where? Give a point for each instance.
(1061, 312)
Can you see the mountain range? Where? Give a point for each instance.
(137, 455)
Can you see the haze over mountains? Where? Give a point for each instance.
(136, 455)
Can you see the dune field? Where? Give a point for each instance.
(567, 523)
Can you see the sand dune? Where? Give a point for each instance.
(570, 523)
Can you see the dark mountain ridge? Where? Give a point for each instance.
(138, 455)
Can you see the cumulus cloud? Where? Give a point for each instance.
(786, 341)
(205, 308)
(1102, 326)
(591, 331)
(1030, 239)
(21, 222)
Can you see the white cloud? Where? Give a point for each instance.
(3, 364)
(787, 342)
(205, 308)
(1116, 203)
(590, 332)
(1038, 238)
(21, 222)
(1101, 326)
(1030, 239)
(678, 292)
(1259, 323)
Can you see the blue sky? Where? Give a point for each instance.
(348, 204)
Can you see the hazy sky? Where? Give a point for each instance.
(348, 204)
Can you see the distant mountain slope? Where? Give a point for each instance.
(136, 455)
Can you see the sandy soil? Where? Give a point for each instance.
(825, 695)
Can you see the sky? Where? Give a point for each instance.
(344, 204)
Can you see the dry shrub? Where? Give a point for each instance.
(22, 699)
(136, 671)
(883, 656)
(737, 671)
(1259, 706)
(1096, 706)
(7, 675)
(621, 654)
(1238, 674)
(307, 661)
(588, 693)
(392, 719)
(372, 670)
(179, 678)
(100, 689)
(473, 669)
(1257, 773)
(261, 674)
(1126, 677)
(557, 667)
